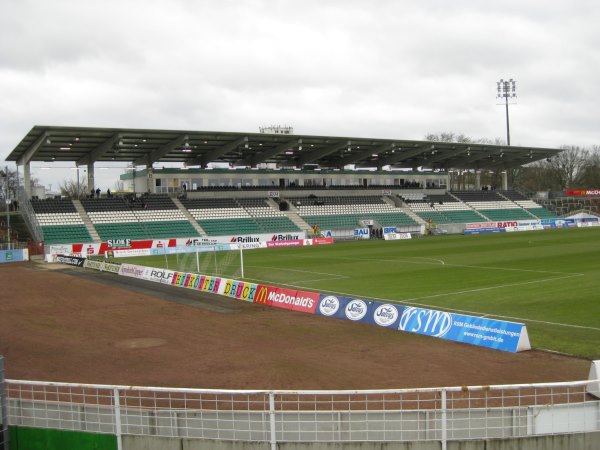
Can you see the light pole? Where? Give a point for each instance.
(507, 89)
(7, 200)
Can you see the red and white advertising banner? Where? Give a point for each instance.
(101, 249)
(500, 224)
(396, 236)
(584, 193)
(322, 241)
(294, 243)
(142, 248)
(240, 239)
(126, 253)
(287, 298)
(587, 224)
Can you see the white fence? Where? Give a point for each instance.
(3, 409)
(441, 414)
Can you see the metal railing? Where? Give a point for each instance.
(440, 414)
(29, 216)
(4, 437)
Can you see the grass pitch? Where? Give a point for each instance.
(549, 280)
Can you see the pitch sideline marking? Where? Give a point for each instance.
(410, 302)
(332, 275)
(510, 269)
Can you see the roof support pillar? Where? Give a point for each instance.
(27, 179)
(90, 176)
(478, 180)
(150, 180)
(504, 180)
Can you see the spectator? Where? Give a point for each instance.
(98, 192)
(108, 194)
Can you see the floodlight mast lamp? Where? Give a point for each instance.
(507, 89)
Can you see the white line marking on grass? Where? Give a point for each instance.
(510, 269)
(331, 275)
(441, 261)
(489, 288)
(445, 264)
(474, 313)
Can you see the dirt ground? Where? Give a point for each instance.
(59, 323)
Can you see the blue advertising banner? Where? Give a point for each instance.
(7, 256)
(346, 308)
(358, 310)
(483, 230)
(484, 332)
(558, 223)
(385, 315)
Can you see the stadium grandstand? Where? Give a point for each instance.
(272, 183)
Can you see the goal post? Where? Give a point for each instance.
(219, 259)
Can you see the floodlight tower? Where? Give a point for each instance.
(507, 89)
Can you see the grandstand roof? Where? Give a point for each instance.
(83, 145)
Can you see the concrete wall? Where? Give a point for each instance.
(304, 426)
(580, 441)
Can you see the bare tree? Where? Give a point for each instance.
(119, 186)
(9, 185)
(448, 136)
(589, 177)
(71, 189)
(566, 167)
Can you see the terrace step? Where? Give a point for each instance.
(292, 214)
(189, 217)
(87, 221)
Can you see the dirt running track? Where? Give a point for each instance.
(67, 324)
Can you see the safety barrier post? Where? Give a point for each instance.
(118, 431)
(444, 424)
(4, 437)
(272, 421)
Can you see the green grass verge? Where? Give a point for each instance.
(549, 280)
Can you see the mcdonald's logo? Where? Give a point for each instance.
(261, 295)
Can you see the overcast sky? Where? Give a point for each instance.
(379, 68)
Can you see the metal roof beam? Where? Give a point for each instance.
(404, 155)
(444, 156)
(212, 155)
(28, 154)
(157, 154)
(350, 159)
(474, 158)
(316, 154)
(258, 158)
(96, 153)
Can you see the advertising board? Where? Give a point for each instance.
(396, 236)
(240, 290)
(70, 260)
(359, 310)
(584, 193)
(294, 243)
(468, 231)
(484, 332)
(287, 298)
(361, 233)
(322, 241)
(16, 255)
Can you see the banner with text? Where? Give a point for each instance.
(358, 310)
(484, 332)
(287, 298)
